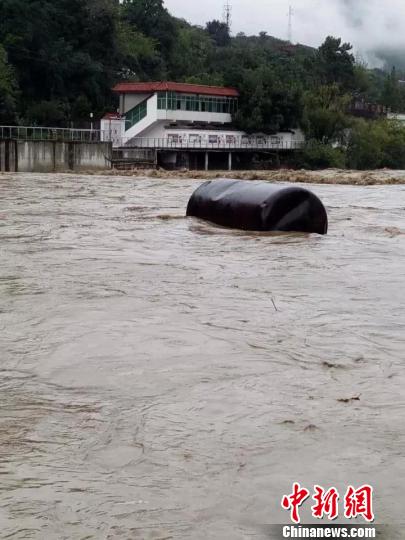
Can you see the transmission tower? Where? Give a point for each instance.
(290, 24)
(228, 15)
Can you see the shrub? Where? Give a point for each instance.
(317, 155)
(373, 145)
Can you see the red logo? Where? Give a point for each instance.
(326, 503)
(294, 501)
(357, 502)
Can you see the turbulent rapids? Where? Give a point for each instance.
(163, 377)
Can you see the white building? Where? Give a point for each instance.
(399, 117)
(184, 116)
(113, 128)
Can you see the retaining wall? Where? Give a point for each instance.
(8, 160)
(54, 156)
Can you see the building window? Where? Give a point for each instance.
(162, 100)
(174, 138)
(194, 138)
(135, 115)
(192, 102)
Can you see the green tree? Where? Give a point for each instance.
(61, 49)
(195, 64)
(62, 57)
(152, 19)
(219, 32)
(139, 57)
(325, 119)
(374, 145)
(47, 113)
(8, 90)
(317, 155)
(335, 64)
(80, 110)
(266, 104)
(392, 95)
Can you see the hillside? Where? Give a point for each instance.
(60, 58)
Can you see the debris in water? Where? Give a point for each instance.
(349, 400)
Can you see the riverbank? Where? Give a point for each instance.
(328, 176)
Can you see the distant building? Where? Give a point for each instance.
(169, 114)
(187, 125)
(112, 126)
(157, 110)
(365, 109)
(399, 117)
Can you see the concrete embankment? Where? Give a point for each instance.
(54, 156)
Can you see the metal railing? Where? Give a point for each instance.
(239, 143)
(27, 133)
(198, 142)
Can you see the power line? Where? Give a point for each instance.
(228, 15)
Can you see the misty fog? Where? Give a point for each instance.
(375, 28)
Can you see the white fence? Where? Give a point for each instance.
(170, 142)
(30, 133)
(237, 143)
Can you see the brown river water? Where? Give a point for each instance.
(161, 377)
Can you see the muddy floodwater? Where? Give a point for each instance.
(163, 378)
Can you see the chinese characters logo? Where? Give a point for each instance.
(357, 502)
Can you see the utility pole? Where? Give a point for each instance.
(228, 15)
(290, 25)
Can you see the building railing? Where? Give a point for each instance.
(52, 134)
(239, 143)
(193, 142)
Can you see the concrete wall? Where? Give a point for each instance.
(36, 156)
(129, 101)
(54, 156)
(8, 160)
(194, 116)
(226, 137)
(91, 156)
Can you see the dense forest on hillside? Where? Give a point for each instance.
(60, 58)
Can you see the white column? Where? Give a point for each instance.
(230, 161)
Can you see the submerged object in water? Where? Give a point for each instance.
(258, 206)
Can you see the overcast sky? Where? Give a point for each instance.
(367, 24)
